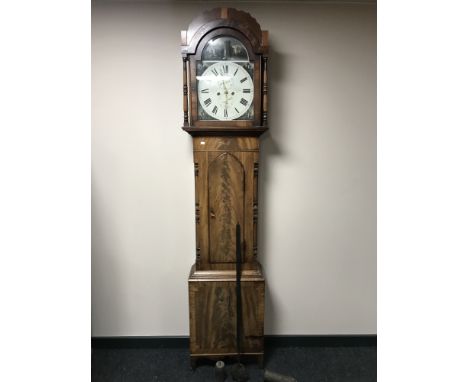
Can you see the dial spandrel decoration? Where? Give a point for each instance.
(224, 81)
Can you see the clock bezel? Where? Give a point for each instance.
(254, 59)
(246, 108)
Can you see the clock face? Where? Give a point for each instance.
(225, 90)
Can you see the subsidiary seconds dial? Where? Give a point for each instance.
(225, 90)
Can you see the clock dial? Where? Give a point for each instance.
(225, 91)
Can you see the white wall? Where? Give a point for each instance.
(317, 235)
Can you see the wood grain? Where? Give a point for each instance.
(213, 317)
(225, 131)
(226, 166)
(225, 193)
(225, 144)
(226, 181)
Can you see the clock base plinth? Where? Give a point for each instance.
(212, 302)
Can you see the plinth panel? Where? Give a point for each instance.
(213, 327)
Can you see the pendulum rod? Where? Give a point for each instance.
(238, 371)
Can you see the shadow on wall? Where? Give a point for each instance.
(270, 148)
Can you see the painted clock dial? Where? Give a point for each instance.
(225, 90)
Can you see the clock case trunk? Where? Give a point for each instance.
(226, 166)
(226, 193)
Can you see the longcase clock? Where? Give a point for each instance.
(225, 55)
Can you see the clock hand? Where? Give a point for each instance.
(225, 94)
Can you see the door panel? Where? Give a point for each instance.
(213, 325)
(226, 187)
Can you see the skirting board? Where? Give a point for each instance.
(133, 342)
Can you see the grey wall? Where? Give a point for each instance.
(317, 235)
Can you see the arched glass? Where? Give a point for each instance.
(225, 48)
(225, 84)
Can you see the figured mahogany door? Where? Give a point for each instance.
(226, 186)
(226, 172)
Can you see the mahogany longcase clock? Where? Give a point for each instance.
(225, 55)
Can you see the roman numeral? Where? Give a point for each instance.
(237, 110)
(207, 102)
(225, 113)
(246, 91)
(205, 90)
(236, 71)
(244, 79)
(243, 102)
(226, 69)
(215, 109)
(215, 72)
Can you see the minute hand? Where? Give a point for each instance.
(225, 93)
